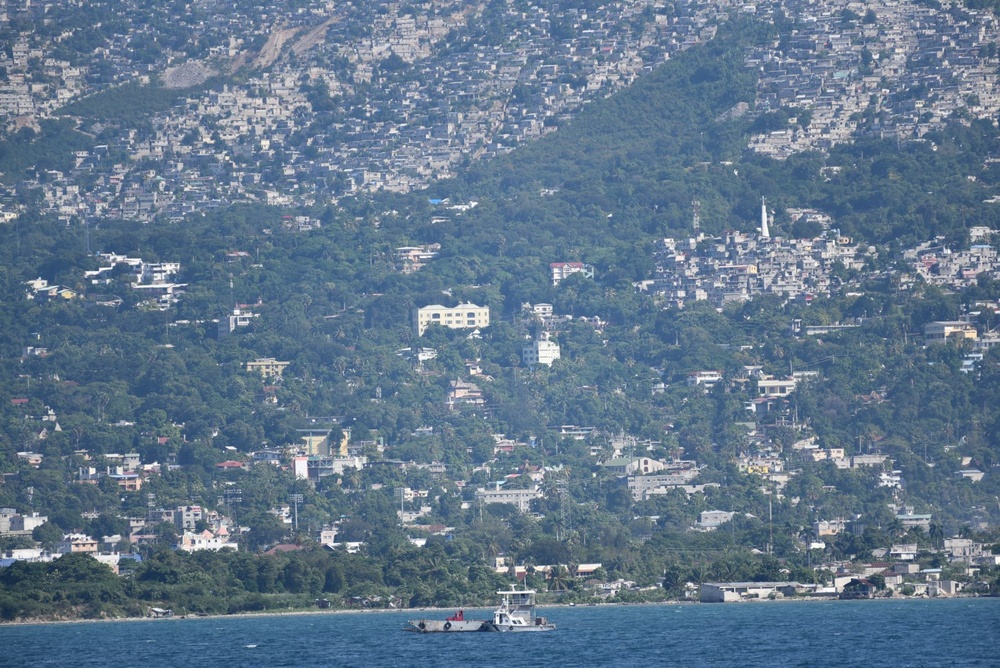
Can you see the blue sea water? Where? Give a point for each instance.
(955, 632)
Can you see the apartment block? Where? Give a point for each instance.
(463, 316)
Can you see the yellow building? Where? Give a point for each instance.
(463, 316)
(943, 331)
(319, 442)
(267, 367)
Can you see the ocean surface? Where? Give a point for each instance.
(955, 632)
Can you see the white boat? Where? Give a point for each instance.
(516, 613)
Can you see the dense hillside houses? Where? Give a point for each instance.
(734, 268)
(420, 93)
(857, 68)
(737, 266)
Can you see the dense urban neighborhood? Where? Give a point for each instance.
(340, 100)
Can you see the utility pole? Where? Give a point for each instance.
(233, 495)
(561, 491)
(770, 522)
(401, 491)
(296, 499)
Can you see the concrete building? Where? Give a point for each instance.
(14, 523)
(707, 379)
(725, 592)
(186, 517)
(267, 367)
(713, 519)
(975, 475)
(912, 520)
(410, 259)
(633, 465)
(75, 543)
(463, 316)
(520, 498)
(233, 321)
(643, 486)
(561, 270)
(318, 441)
(462, 392)
(206, 540)
(764, 231)
(942, 331)
(543, 351)
(773, 387)
(314, 467)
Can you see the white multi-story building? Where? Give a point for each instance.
(543, 351)
(520, 498)
(707, 379)
(463, 316)
(314, 467)
(561, 270)
(642, 486)
(772, 387)
(206, 540)
(232, 321)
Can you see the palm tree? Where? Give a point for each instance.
(437, 567)
(895, 528)
(560, 579)
(491, 549)
(936, 533)
(671, 580)
(727, 569)
(559, 524)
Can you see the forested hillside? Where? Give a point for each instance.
(99, 371)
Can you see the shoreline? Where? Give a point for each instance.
(358, 611)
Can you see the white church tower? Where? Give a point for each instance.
(764, 234)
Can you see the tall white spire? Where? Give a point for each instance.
(764, 234)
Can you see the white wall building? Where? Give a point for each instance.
(713, 519)
(521, 498)
(206, 540)
(561, 270)
(543, 351)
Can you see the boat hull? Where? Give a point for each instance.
(439, 626)
(501, 628)
(470, 625)
(515, 614)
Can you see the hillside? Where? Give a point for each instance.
(251, 370)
